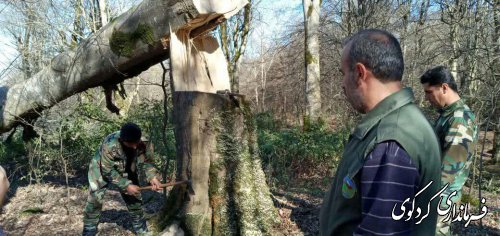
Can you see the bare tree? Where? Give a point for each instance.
(233, 35)
(452, 13)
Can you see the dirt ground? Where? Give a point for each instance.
(51, 209)
(48, 209)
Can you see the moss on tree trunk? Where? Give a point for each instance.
(216, 150)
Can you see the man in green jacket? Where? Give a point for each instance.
(390, 168)
(117, 162)
(457, 134)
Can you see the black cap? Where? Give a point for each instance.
(130, 132)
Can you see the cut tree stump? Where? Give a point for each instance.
(217, 151)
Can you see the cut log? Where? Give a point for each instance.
(122, 49)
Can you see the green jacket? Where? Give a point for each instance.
(395, 118)
(457, 135)
(109, 163)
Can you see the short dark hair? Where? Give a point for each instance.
(439, 75)
(130, 132)
(379, 51)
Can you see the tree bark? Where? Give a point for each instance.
(103, 12)
(216, 148)
(217, 151)
(312, 66)
(496, 65)
(122, 49)
(496, 141)
(78, 23)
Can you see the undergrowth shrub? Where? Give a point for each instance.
(68, 140)
(298, 152)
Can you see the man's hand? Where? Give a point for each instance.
(155, 183)
(133, 189)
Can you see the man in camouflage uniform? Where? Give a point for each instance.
(456, 132)
(4, 188)
(117, 162)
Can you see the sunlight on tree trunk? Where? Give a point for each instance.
(216, 149)
(311, 54)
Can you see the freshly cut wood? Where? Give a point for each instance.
(122, 49)
(197, 64)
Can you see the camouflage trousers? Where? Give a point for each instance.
(92, 212)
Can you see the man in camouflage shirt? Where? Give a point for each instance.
(117, 162)
(456, 132)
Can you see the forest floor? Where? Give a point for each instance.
(46, 209)
(54, 208)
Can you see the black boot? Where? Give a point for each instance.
(140, 227)
(89, 232)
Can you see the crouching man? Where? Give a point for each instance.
(4, 188)
(116, 162)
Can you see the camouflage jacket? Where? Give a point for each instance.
(457, 134)
(109, 163)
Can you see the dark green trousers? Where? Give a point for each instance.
(92, 212)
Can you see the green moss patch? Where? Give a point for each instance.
(310, 58)
(124, 44)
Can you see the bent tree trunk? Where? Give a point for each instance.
(216, 149)
(122, 49)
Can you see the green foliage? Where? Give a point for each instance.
(466, 198)
(150, 117)
(13, 149)
(71, 139)
(293, 152)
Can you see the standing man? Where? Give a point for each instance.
(117, 162)
(456, 132)
(393, 153)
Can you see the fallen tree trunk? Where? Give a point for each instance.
(122, 49)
